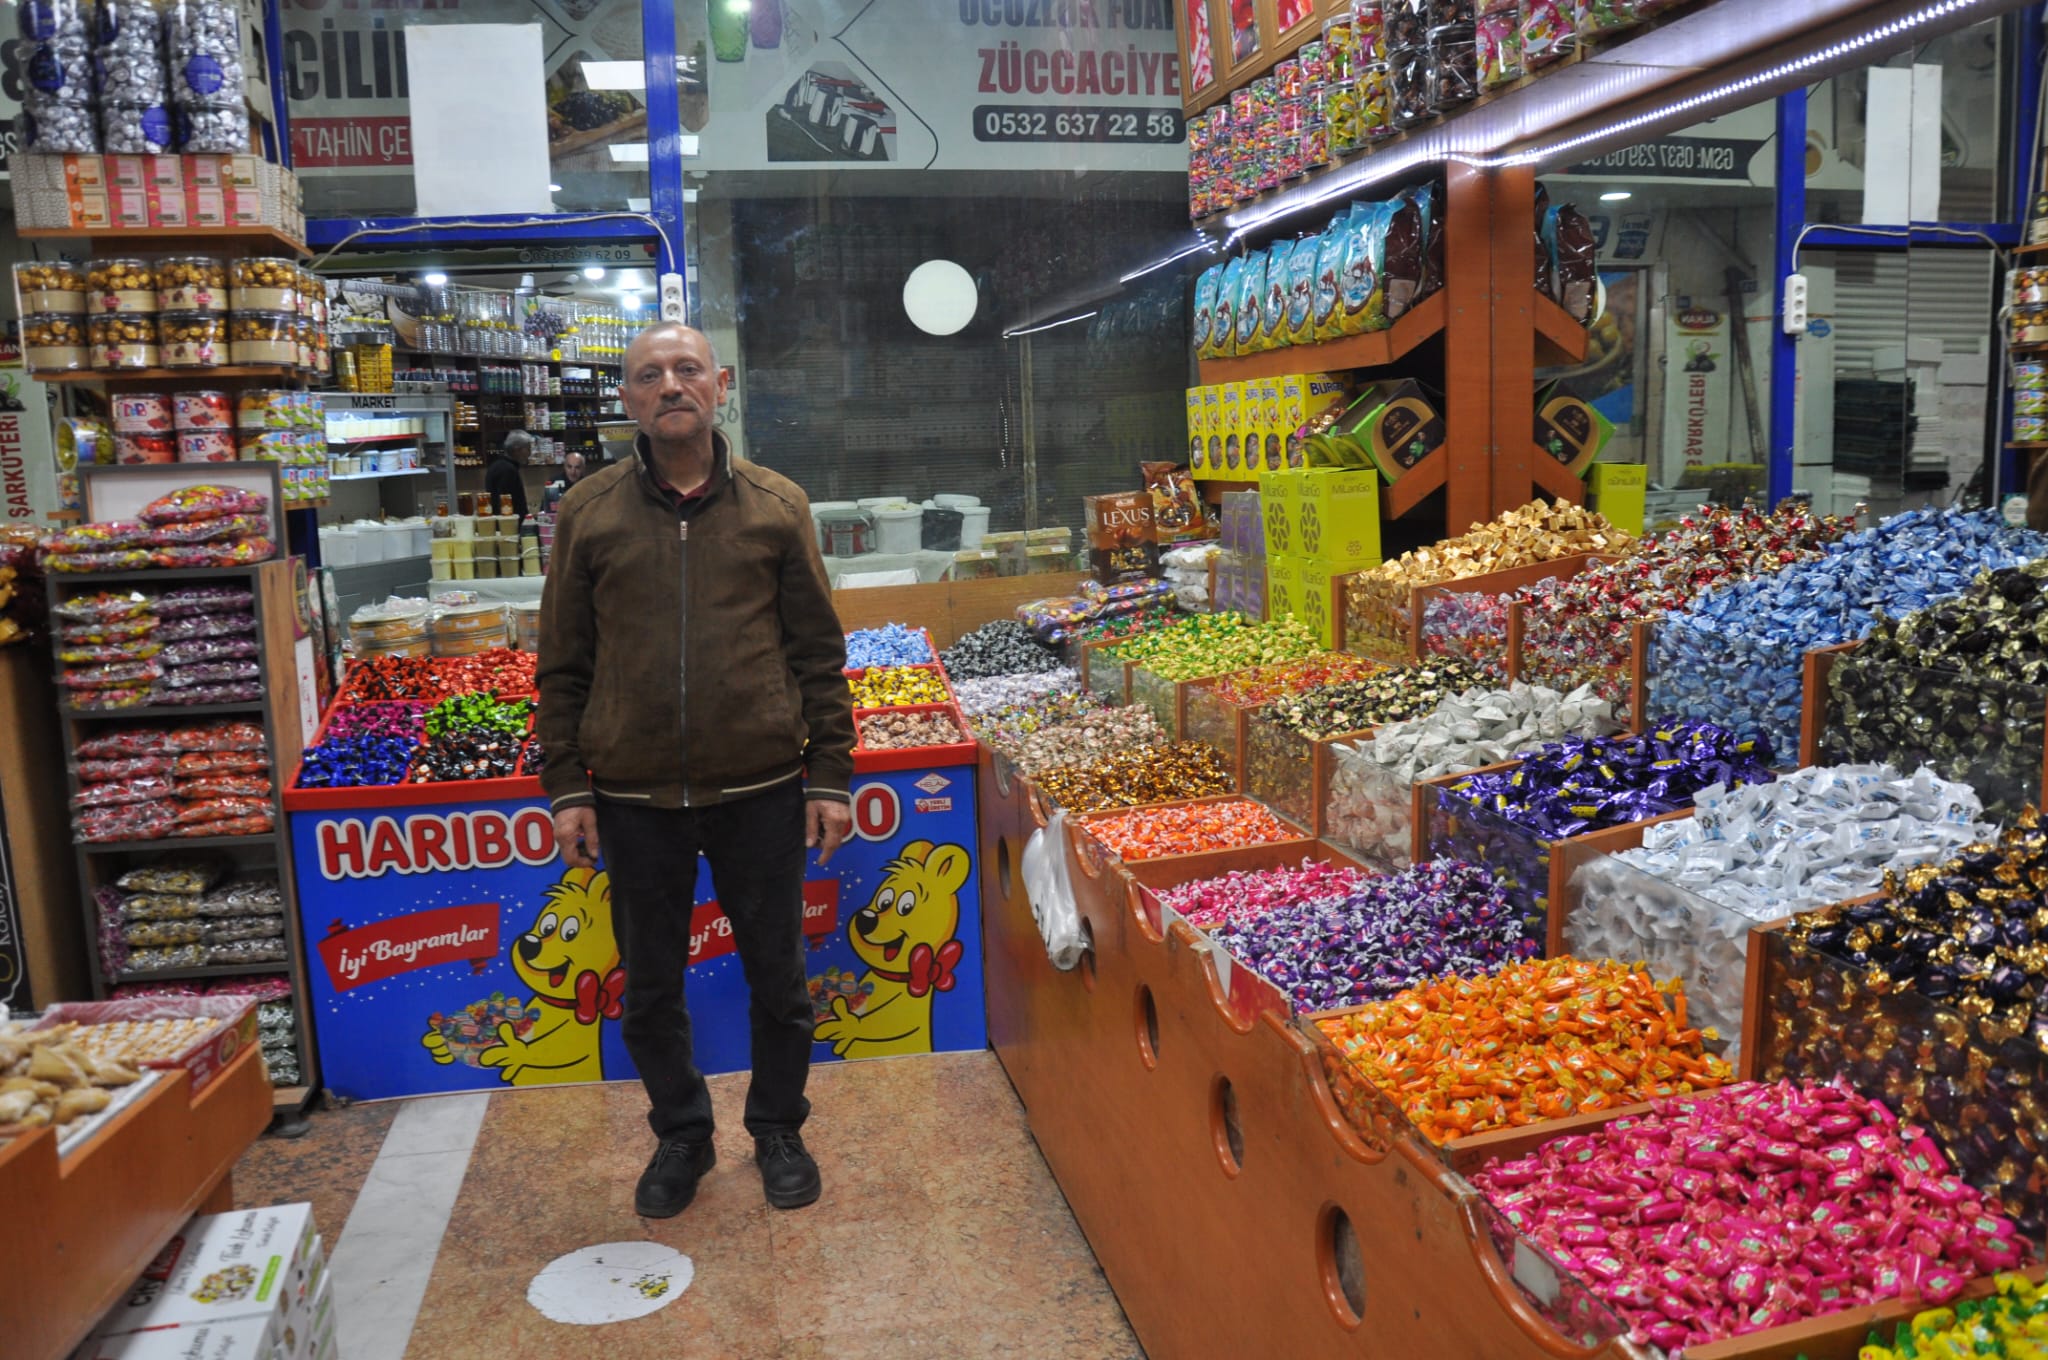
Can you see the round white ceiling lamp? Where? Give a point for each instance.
(940, 297)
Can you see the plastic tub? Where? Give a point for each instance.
(124, 340)
(50, 286)
(264, 284)
(848, 533)
(121, 285)
(957, 502)
(193, 339)
(898, 529)
(54, 342)
(338, 546)
(973, 524)
(263, 337)
(191, 283)
(871, 502)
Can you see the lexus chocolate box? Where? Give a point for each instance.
(1120, 542)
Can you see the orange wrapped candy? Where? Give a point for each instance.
(1539, 1040)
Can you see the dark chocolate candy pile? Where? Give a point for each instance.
(1960, 686)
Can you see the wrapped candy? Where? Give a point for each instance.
(103, 536)
(1749, 1207)
(1000, 647)
(1187, 828)
(1244, 895)
(1150, 774)
(202, 501)
(890, 645)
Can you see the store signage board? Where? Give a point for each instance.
(479, 121)
(28, 469)
(1698, 390)
(1710, 159)
(414, 918)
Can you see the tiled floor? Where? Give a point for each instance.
(941, 1231)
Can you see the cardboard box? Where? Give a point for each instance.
(1283, 587)
(1212, 429)
(206, 205)
(218, 1266)
(1317, 609)
(1121, 546)
(89, 209)
(128, 208)
(1198, 437)
(1395, 425)
(1336, 517)
(128, 172)
(1273, 429)
(243, 1338)
(1279, 497)
(1621, 493)
(1230, 397)
(1305, 397)
(1571, 430)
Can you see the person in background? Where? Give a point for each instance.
(572, 473)
(503, 477)
(692, 702)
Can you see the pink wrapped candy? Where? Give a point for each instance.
(1753, 1206)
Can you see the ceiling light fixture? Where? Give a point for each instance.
(1616, 196)
(434, 279)
(1050, 325)
(593, 271)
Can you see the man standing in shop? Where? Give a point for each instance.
(503, 478)
(692, 702)
(572, 473)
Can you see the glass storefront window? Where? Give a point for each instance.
(349, 93)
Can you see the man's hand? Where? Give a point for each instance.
(576, 834)
(826, 823)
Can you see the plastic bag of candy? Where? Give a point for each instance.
(203, 501)
(160, 907)
(138, 991)
(195, 763)
(1550, 31)
(128, 822)
(122, 767)
(245, 951)
(225, 786)
(160, 960)
(1606, 16)
(101, 653)
(240, 553)
(192, 651)
(219, 810)
(182, 874)
(209, 530)
(252, 825)
(176, 604)
(103, 536)
(106, 606)
(236, 692)
(79, 563)
(124, 743)
(190, 626)
(156, 934)
(143, 789)
(110, 698)
(250, 895)
(268, 989)
(237, 735)
(210, 673)
(113, 673)
(229, 930)
(105, 631)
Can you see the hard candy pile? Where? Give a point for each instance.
(1371, 805)
(1152, 774)
(1537, 1040)
(1187, 829)
(1736, 655)
(1384, 935)
(898, 686)
(1263, 684)
(895, 731)
(992, 694)
(890, 645)
(1212, 644)
(2012, 1323)
(1088, 737)
(1754, 1206)
(1000, 647)
(1578, 632)
(1386, 696)
(1244, 895)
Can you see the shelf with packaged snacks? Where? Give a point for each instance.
(1375, 349)
(165, 238)
(272, 373)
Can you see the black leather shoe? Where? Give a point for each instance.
(788, 1173)
(670, 1181)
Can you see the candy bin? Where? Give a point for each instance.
(1990, 734)
(1193, 832)
(1135, 775)
(49, 286)
(1745, 683)
(191, 283)
(1520, 817)
(121, 285)
(54, 343)
(124, 340)
(193, 339)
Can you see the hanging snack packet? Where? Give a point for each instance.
(1251, 292)
(1406, 256)
(1550, 31)
(1301, 290)
(1364, 285)
(1576, 250)
(1223, 319)
(202, 502)
(1273, 300)
(1205, 310)
(1500, 44)
(1546, 266)
(1599, 17)
(1329, 271)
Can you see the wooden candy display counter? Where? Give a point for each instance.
(81, 1228)
(1233, 1206)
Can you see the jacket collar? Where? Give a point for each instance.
(643, 463)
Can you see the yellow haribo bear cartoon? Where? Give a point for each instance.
(571, 960)
(905, 937)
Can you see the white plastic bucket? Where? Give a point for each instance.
(953, 502)
(973, 524)
(898, 529)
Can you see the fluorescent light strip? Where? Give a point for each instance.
(1397, 160)
(1050, 325)
(1204, 244)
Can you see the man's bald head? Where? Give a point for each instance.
(672, 385)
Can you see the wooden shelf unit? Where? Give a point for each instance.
(168, 238)
(277, 373)
(275, 586)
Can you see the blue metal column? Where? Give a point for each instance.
(1791, 201)
(664, 129)
(2024, 159)
(280, 97)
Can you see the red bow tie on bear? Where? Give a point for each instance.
(929, 970)
(595, 997)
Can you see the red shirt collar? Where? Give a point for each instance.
(681, 498)
(720, 454)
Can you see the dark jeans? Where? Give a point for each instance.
(756, 849)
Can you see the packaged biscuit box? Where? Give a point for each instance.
(1121, 545)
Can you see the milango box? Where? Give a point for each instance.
(1120, 542)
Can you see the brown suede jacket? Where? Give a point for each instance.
(689, 655)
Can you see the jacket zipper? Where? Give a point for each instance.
(683, 654)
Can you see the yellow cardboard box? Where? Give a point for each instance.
(1316, 609)
(1303, 397)
(1620, 492)
(1198, 436)
(1233, 432)
(1279, 496)
(1335, 515)
(1284, 587)
(1212, 429)
(1273, 430)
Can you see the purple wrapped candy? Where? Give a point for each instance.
(174, 604)
(1390, 934)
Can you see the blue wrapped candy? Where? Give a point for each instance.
(1736, 655)
(890, 645)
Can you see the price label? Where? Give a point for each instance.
(1037, 123)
